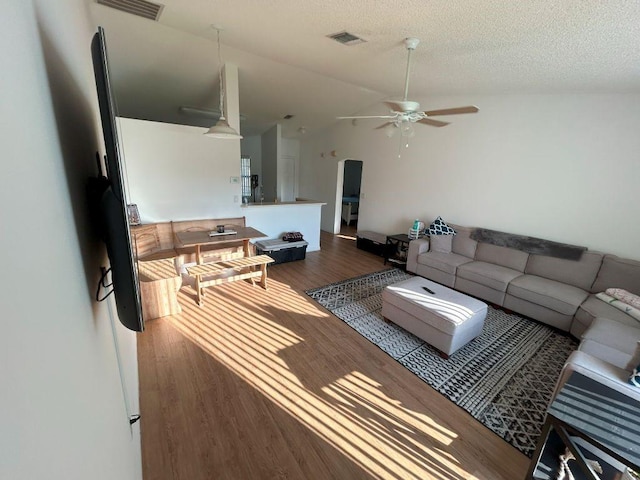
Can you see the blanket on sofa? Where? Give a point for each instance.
(534, 245)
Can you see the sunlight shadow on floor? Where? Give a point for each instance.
(351, 412)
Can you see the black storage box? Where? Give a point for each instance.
(373, 242)
(282, 251)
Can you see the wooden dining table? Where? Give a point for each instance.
(198, 239)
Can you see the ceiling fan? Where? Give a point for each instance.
(406, 112)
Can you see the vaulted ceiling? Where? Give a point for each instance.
(287, 65)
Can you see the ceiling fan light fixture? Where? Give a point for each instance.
(407, 130)
(390, 130)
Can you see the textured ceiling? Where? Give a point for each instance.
(287, 65)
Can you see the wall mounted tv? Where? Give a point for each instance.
(112, 205)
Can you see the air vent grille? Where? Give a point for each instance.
(141, 8)
(346, 38)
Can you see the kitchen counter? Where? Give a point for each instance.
(276, 218)
(275, 204)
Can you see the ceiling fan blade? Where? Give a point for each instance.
(384, 125)
(433, 123)
(367, 116)
(452, 111)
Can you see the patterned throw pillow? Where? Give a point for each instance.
(624, 296)
(620, 305)
(439, 227)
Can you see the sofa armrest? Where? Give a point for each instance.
(416, 247)
(602, 372)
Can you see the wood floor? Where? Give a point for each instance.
(268, 385)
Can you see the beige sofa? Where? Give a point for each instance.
(555, 291)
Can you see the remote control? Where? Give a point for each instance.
(429, 290)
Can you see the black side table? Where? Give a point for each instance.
(607, 421)
(396, 250)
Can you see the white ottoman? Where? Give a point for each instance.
(446, 319)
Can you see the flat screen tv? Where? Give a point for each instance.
(112, 204)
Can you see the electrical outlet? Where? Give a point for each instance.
(236, 199)
(235, 180)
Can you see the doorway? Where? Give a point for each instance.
(349, 184)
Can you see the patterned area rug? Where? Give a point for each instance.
(504, 378)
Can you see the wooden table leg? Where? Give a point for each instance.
(263, 279)
(247, 253)
(199, 290)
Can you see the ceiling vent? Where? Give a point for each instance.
(346, 38)
(141, 8)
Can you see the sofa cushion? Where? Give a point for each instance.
(441, 243)
(493, 276)
(506, 257)
(556, 296)
(617, 335)
(579, 273)
(594, 307)
(606, 353)
(463, 244)
(445, 262)
(617, 272)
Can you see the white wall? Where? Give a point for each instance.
(561, 167)
(318, 177)
(61, 402)
(177, 173)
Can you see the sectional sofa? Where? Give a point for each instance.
(557, 291)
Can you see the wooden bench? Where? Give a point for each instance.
(155, 241)
(229, 268)
(159, 285)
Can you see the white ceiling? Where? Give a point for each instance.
(287, 65)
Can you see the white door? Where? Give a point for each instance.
(288, 184)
